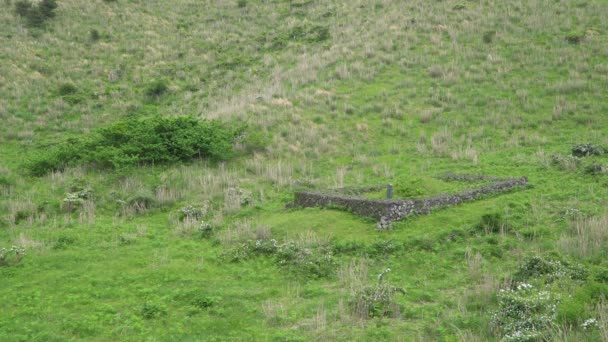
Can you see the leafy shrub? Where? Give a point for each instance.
(550, 269)
(67, 89)
(63, 242)
(310, 33)
(11, 256)
(156, 89)
(203, 301)
(488, 36)
(317, 263)
(569, 163)
(152, 310)
(94, 35)
(36, 15)
(571, 310)
(376, 301)
(492, 223)
(524, 313)
(241, 3)
(74, 200)
(585, 150)
(574, 37)
(140, 202)
(193, 212)
(205, 229)
(313, 262)
(596, 169)
(135, 142)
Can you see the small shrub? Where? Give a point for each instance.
(310, 33)
(75, 200)
(67, 89)
(571, 310)
(63, 242)
(141, 202)
(241, 3)
(550, 269)
(308, 262)
(574, 37)
(36, 15)
(567, 163)
(12, 256)
(23, 7)
(152, 310)
(203, 302)
(205, 229)
(156, 89)
(94, 35)
(376, 301)
(524, 313)
(488, 36)
(596, 169)
(493, 223)
(193, 212)
(585, 150)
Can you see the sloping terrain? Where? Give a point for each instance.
(328, 94)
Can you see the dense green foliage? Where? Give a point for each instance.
(140, 141)
(36, 14)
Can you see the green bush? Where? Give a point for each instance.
(574, 37)
(493, 223)
(136, 142)
(156, 89)
(309, 262)
(550, 269)
(36, 15)
(376, 301)
(152, 310)
(585, 150)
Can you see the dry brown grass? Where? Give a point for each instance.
(587, 238)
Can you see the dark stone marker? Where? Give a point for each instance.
(389, 191)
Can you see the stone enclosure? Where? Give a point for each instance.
(389, 210)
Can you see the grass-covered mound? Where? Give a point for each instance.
(140, 141)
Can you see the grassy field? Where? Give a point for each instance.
(334, 94)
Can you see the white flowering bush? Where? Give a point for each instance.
(205, 229)
(74, 200)
(589, 324)
(315, 261)
(524, 313)
(192, 212)
(11, 256)
(550, 269)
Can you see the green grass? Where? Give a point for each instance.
(335, 94)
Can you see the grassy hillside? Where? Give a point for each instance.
(332, 94)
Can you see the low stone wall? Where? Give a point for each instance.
(393, 210)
